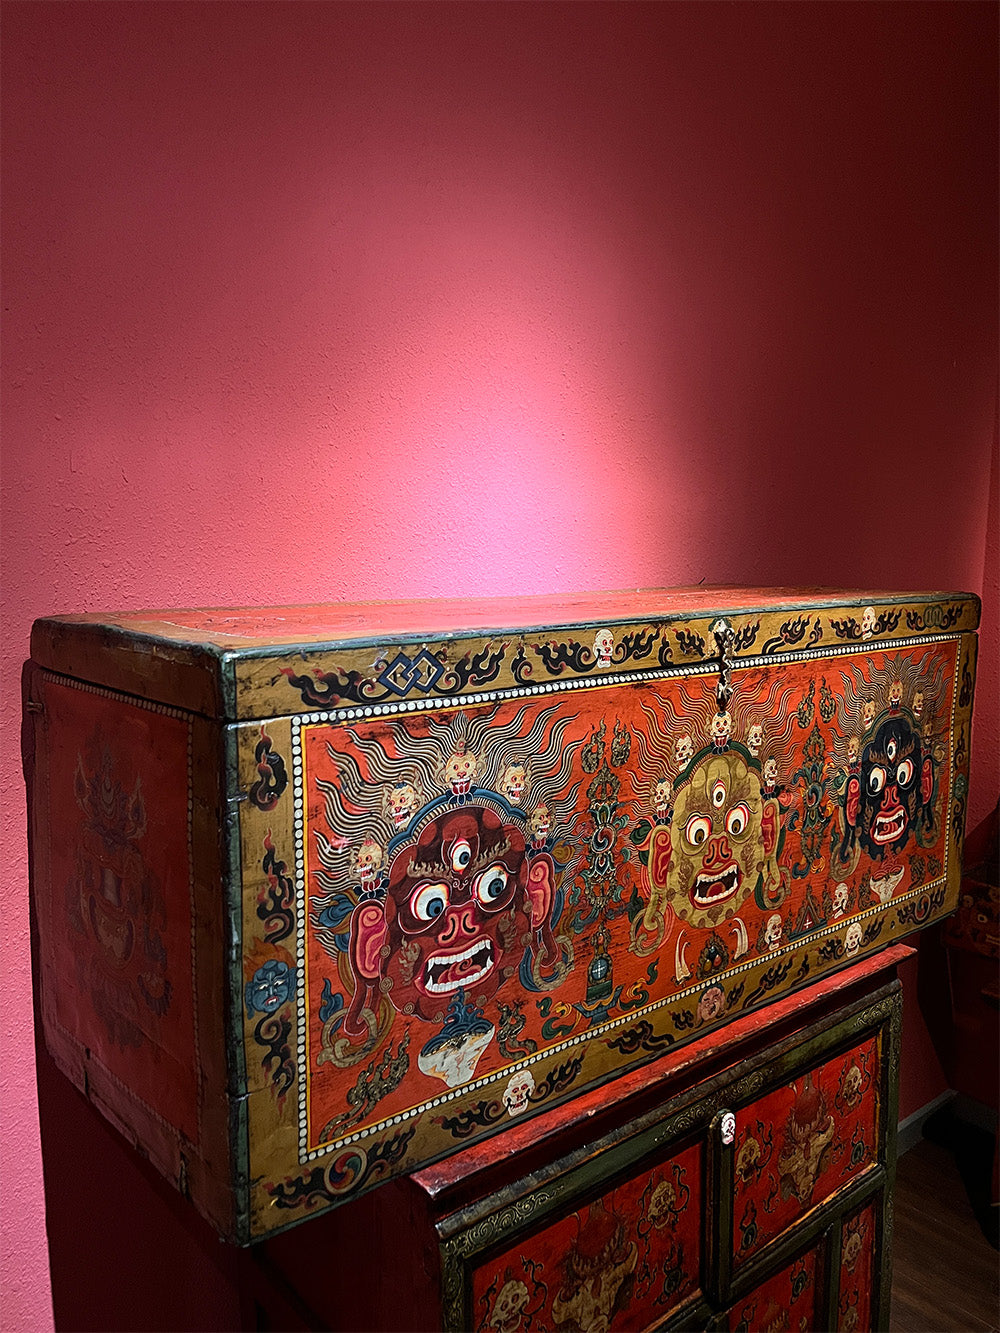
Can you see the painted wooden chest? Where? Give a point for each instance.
(324, 895)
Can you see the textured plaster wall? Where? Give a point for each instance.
(316, 301)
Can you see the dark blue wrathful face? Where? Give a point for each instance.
(269, 988)
(894, 784)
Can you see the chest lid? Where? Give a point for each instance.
(240, 663)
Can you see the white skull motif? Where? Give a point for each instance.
(895, 694)
(604, 646)
(683, 750)
(509, 1306)
(755, 739)
(518, 1090)
(772, 931)
(868, 622)
(728, 1128)
(770, 774)
(512, 784)
(868, 714)
(853, 1246)
(841, 900)
(852, 1095)
(852, 939)
(662, 1204)
(367, 860)
(918, 704)
(722, 729)
(663, 794)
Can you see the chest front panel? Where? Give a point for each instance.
(471, 910)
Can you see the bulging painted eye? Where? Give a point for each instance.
(876, 780)
(890, 750)
(697, 829)
(429, 901)
(904, 773)
(719, 795)
(738, 819)
(491, 885)
(461, 856)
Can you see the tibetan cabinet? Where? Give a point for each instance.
(325, 896)
(754, 1199)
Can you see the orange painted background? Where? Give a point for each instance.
(323, 301)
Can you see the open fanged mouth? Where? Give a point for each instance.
(887, 828)
(711, 889)
(445, 972)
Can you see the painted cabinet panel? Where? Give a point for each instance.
(624, 1261)
(790, 1299)
(375, 883)
(859, 1257)
(802, 1143)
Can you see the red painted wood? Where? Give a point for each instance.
(801, 1143)
(118, 926)
(788, 1300)
(857, 1271)
(621, 1263)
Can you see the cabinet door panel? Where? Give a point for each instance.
(790, 1299)
(803, 1142)
(857, 1270)
(621, 1262)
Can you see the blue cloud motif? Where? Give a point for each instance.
(334, 914)
(329, 1004)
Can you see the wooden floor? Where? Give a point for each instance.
(945, 1270)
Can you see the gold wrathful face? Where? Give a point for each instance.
(720, 844)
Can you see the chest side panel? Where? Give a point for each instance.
(481, 906)
(126, 872)
(117, 904)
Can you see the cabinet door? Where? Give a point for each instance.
(802, 1143)
(789, 1299)
(621, 1258)
(863, 1271)
(807, 1135)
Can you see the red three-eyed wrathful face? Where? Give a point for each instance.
(461, 906)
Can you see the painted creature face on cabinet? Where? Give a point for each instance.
(721, 843)
(461, 905)
(892, 790)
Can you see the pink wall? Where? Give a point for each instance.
(312, 301)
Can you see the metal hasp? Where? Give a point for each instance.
(724, 634)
